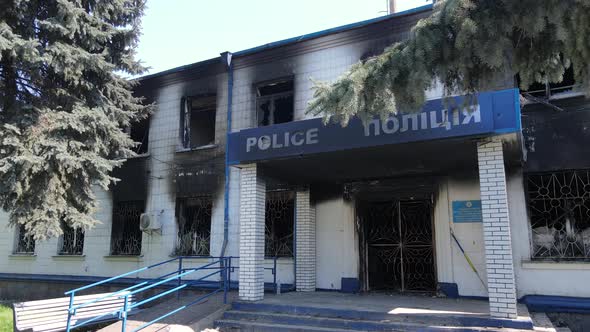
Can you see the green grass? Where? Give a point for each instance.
(5, 318)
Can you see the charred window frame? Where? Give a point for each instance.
(558, 204)
(125, 233)
(139, 132)
(193, 218)
(72, 241)
(275, 102)
(551, 90)
(25, 243)
(197, 121)
(279, 223)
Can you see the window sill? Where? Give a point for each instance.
(547, 265)
(26, 257)
(139, 156)
(68, 257)
(123, 258)
(199, 148)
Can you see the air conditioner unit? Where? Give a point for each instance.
(149, 222)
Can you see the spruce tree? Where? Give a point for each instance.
(465, 45)
(64, 104)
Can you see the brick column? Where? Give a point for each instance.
(252, 209)
(305, 242)
(496, 229)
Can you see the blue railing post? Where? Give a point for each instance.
(274, 272)
(225, 282)
(124, 313)
(229, 272)
(179, 277)
(68, 326)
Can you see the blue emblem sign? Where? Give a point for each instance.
(466, 211)
(495, 113)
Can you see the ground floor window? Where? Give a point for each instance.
(193, 216)
(559, 213)
(279, 222)
(125, 234)
(25, 243)
(72, 241)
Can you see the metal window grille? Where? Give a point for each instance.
(279, 222)
(25, 243)
(125, 234)
(559, 212)
(194, 226)
(72, 241)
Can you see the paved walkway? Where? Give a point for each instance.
(186, 320)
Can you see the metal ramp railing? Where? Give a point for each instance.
(175, 280)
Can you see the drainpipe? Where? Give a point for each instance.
(226, 57)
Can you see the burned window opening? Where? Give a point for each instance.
(559, 212)
(193, 215)
(198, 121)
(548, 90)
(72, 241)
(275, 103)
(139, 133)
(25, 243)
(279, 223)
(125, 234)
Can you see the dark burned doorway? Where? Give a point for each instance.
(398, 246)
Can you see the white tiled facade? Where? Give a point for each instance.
(326, 231)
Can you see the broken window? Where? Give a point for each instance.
(197, 121)
(193, 215)
(559, 212)
(548, 90)
(139, 133)
(125, 232)
(25, 243)
(72, 241)
(279, 222)
(274, 103)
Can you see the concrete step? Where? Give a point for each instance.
(226, 325)
(246, 318)
(376, 317)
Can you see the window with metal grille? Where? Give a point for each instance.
(25, 243)
(279, 222)
(559, 212)
(72, 241)
(125, 233)
(193, 215)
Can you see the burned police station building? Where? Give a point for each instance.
(488, 199)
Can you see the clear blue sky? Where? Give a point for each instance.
(179, 32)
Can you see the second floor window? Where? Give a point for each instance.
(197, 120)
(72, 241)
(274, 103)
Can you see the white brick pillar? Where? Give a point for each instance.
(305, 242)
(496, 229)
(252, 209)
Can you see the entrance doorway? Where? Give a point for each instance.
(397, 245)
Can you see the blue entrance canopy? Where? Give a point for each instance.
(495, 112)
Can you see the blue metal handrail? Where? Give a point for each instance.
(224, 264)
(221, 265)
